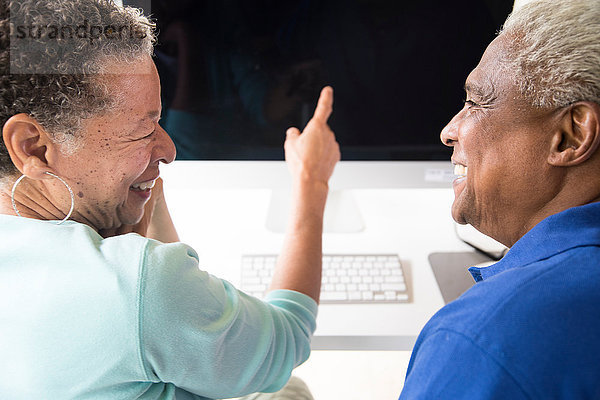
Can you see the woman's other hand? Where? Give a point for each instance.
(156, 222)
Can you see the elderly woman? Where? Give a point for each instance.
(94, 301)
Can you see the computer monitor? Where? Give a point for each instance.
(236, 74)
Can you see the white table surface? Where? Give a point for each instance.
(223, 222)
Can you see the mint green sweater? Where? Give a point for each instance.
(82, 317)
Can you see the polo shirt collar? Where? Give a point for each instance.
(574, 227)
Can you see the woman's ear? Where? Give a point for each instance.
(27, 144)
(577, 136)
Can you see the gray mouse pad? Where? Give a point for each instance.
(451, 272)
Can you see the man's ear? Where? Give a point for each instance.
(27, 144)
(577, 136)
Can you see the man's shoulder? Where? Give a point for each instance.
(543, 311)
(538, 290)
(530, 328)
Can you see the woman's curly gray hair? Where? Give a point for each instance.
(555, 51)
(52, 53)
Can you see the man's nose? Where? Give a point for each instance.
(449, 134)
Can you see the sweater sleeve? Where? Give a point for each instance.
(449, 365)
(201, 334)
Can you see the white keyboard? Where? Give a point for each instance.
(346, 278)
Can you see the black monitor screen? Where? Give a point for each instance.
(236, 74)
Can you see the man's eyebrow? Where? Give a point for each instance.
(487, 93)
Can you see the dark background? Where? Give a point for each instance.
(242, 71)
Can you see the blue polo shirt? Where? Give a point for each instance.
(529, 328)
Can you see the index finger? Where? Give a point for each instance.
(324, 105)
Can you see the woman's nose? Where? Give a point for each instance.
(165, 148)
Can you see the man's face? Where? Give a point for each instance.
(501, 140)
(111, 174)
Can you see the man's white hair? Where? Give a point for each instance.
(555, 51)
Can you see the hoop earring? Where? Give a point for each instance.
(12, 196)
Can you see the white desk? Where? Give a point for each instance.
(223, 222)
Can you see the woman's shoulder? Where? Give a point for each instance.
(75, 242)
(150, 253)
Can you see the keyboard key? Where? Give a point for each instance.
(376, 287)
(255, 288)
(395, 278)
(354, 296)
(393, 286)
(333, 296)
(251, 273)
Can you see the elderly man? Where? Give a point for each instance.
(526, 144)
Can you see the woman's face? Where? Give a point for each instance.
(113, 171)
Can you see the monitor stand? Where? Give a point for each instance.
(342, 214)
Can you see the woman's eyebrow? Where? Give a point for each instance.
(144, 121)
(152, 115)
